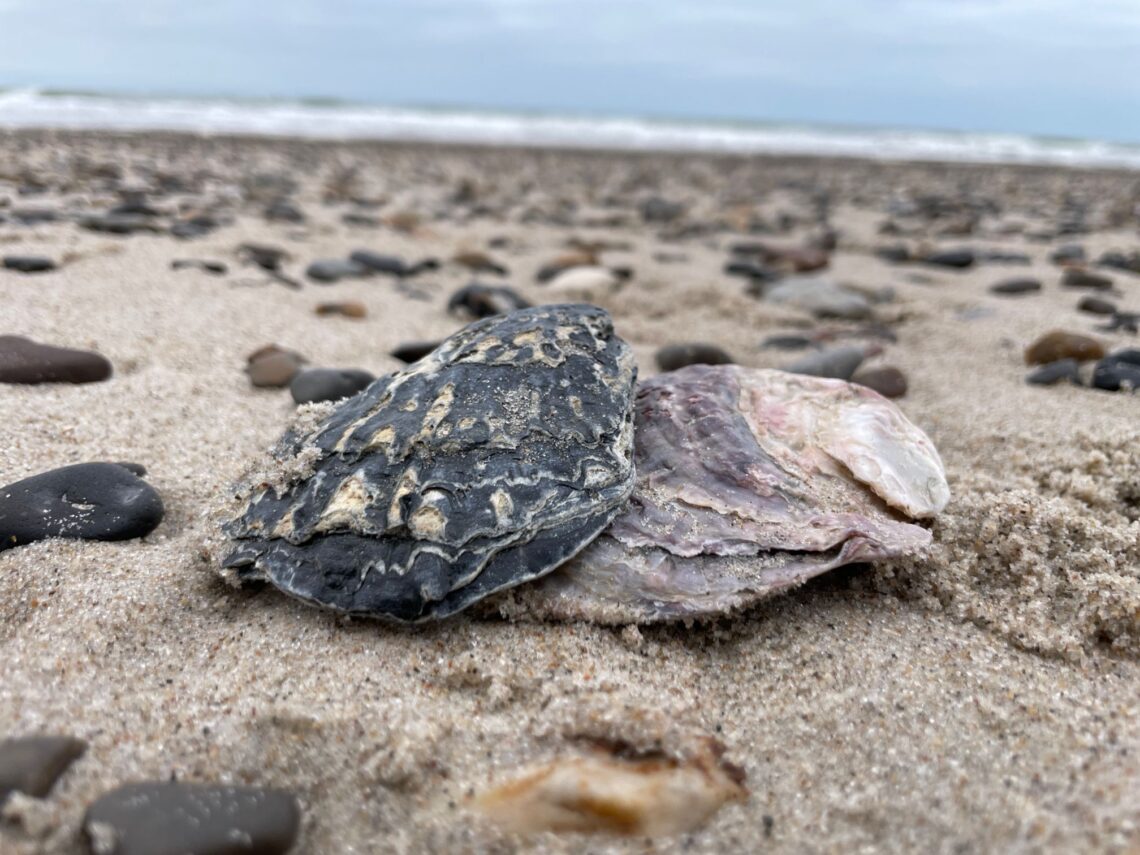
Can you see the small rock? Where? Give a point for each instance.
(273, 367)
(87, 501)
(284, 211)
(656, 209)
(1059, 344)
(674, 356)
(28, 263)
(751, 270)
(1016, 286)
(1120, 370)
(895, 254)
(266, 257)
(414, 351)
(176, 818)
(479, 262)
(1054, 372)
(998, 256)
(1070, 253)
(887, 380)
(1120, 261)
(1096, 306)
(330, 270)
(787, 342)
(1126, 321)
(217, 268)
(822, 297)
(956, 258)
(32, 764)
(346, 310)
(839, 363)
(328, 384)
(391, 265)
(25, 361)
(1078, 277)
(118, 224)
(483, 301)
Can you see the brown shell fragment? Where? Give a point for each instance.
(487, 463)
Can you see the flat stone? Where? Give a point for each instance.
(787, 342)
(956, 258)
(839, 363)
(32, 764)
(414, 351)
(349, 309)
(25, 361)
(1078, 277)
(334, 269)
(1021, 285)
(1054, 372)
(273, 367)
(391, 265)
(1096, 305)
(751, 270)
(118, 224)
(175, 818)
(822, 297)
(657, 209)
(328, 384)
(28, 263)
(217, 268)
(86, 501)
(887, 380)
(895, 254)
(1069, 253)
(1129, 262)
(1059, 344)
(1120, 370)
(674, 356)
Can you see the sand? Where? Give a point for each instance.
(984, 697)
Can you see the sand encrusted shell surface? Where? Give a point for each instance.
(484, 465)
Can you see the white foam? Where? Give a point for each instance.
(29, 108)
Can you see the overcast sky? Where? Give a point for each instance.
(1067, 67)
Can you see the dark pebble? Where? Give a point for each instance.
(25, 361)
(176, 818)
(483, 301)
(1096, 306)
(328, 384)
(34, 216)
(1070, 253)
(1078, 277)
(997, 256)
(787, 342)
(1055, 372)
(217, 268)
(283, 211)
(32, 764)
(1120, 261)
(118, 224)
(674, 356)
(364, 220)
(273, 367)
(414, 351)
(331, 270)
(86, 501)
(28, 263)
(265, 257)
(839, 363)
(887, 380)
(1126, 321)
(1118, 371)
(391, 265)
(660, 210)
(1016, 286)
(956, 258)
(751, 270)
(896, 254)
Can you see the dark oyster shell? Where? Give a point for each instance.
(486, 464)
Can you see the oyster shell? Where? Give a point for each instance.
(486, 464)
(749, 482)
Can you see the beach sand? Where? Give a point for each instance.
(984, 697)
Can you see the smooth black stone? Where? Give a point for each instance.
(334, 269)
(674, 356)
(838, 363)
(787, 342)
(187, 231)
(365, 220)
(998, 256)
(894, 254)
(1126, 321)
(328, 384)
(1076, 277)
(483, 301)
(32, 764)
(1016, 286)
(28, 263)
(118, 224)
(135, 208)
(265, 257)
(1096, 306)
(34, 216)
(1120, 261)
(86, 501)
(175, 818)
(1055, 372)
(391, 265)
(1118, 370)
(751, 270)
(218, 268)
(414, 351)
(956, 258)
(25, 361)
(1070, 253)
(282, 211)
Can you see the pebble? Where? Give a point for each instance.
(1059, 344)
(1118, 370)
(118, 224)
(346, 310)
(284, 211)
(751, 270)
(839, 363)
(657, 209)
(273, 367)
(391, 265)
(822, 297)
(674, 356)
(414, 351)
(1120, 261)
(482, 301)
(998, 256)
(88, 501)
(479, 262)
(1055, 372)
(25, 361)
(32, 764)
(177, 818)
(887, 380)
(1127, 321)
(28, 263)
(1016, 286)
(217, 268)
(1096, 306)
(314, 385)
(956, 258)
(787, 342)
(1069, 253)
(329, 270)
(895, 254)
(1078, 277)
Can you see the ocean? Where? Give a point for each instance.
(321, 119)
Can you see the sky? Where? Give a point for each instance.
(1061, 67)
